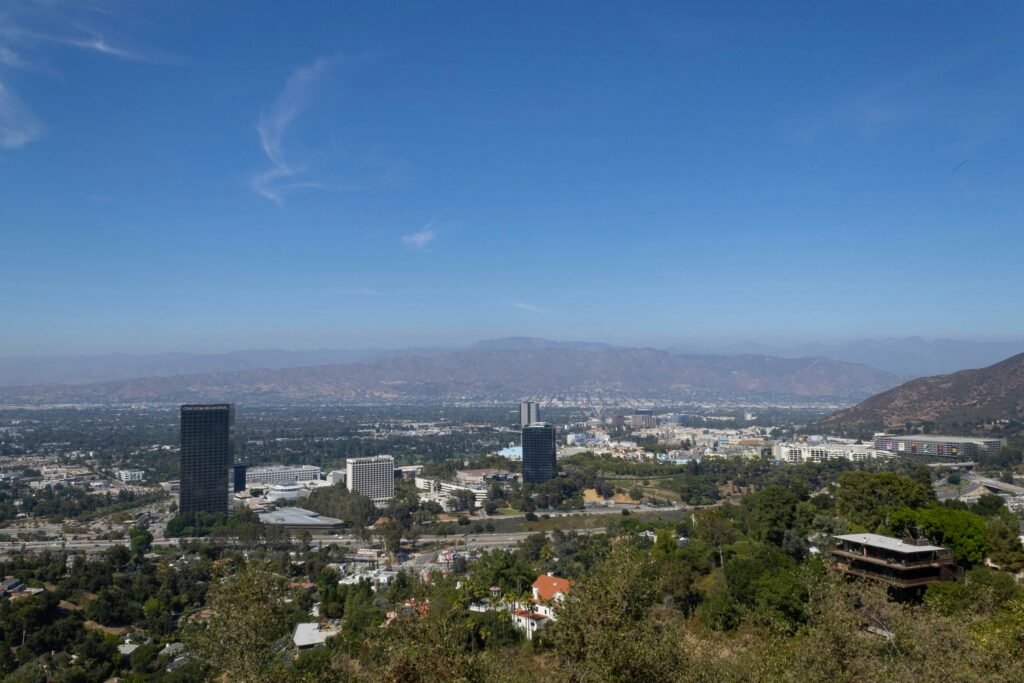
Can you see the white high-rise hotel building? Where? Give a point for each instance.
(373, 477)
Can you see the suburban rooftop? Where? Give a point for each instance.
(887, 542)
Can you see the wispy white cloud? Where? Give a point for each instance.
(93, 28)
(18, 125)
(26, 29)
(523, 306)
(329, 167)
(275, 182)
(88, 39)
(98, 43)
(420, 240)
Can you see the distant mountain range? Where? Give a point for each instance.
(25, 370)
(497, 370)
(995, 392)
(909, 357)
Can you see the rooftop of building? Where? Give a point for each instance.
(270, 468)
(310, 634)
(207, 406)
(486, 472)
(293, 516)
(371, 459)
(888, 543)
(548, 586)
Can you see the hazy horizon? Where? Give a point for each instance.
(704, 344)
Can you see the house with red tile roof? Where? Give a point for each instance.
(548, 591)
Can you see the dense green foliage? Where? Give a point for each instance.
(59, 502)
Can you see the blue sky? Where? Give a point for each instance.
(211, 176)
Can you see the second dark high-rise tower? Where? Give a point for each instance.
(207, 454)
(539, 453)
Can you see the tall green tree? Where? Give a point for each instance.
(868, 498)
(961, 531)
(770, 512)
(249, 613)
(606, 630)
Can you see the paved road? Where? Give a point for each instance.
(91, 546)
(600, 510)
(87, 546)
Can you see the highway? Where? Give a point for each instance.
(93, 546)
(467, 540)
(88, 546)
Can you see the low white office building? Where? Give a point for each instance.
(131, 475)
(447, 489)
(281, 474)
(797, 452)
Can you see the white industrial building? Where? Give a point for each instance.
(372, 477)
(131, 475)
(281, 474)
(797, 452)
(446, 489)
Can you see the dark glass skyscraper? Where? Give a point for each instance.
(239, 474)
(207, 454)
(539, 452)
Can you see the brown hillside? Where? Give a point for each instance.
(995, 392)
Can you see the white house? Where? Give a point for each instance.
(548, 591)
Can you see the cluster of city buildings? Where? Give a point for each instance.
(209, 475)
(469, 484)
